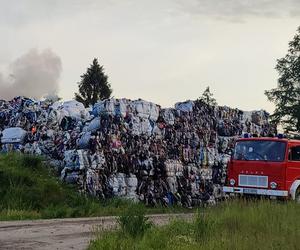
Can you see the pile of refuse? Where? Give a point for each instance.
(132, 148)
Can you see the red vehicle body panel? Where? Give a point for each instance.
(282, 173)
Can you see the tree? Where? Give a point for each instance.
(286, 96)
(93, 85)
(207, 98)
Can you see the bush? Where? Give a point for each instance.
(133, 221)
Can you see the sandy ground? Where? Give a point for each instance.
(62, 233)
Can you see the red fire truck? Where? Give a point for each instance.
(265, 166)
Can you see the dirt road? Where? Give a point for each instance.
(62, 233)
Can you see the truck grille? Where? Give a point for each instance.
(253, 181)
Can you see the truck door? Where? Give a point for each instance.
(293, 165)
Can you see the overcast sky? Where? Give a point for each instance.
(161, 50)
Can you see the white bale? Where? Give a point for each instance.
(132, 181)
(84, 162)
(109, 106)
(185, 106)
(172, 183)
(211, 155)
(142, 108)
(121, 107)
(146, 127)
(114, 184)
(122, 184)
(71, 108)
(56, 105)
(168, 115)
(154, 111)
(13, 135)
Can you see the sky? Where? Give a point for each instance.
(163, 51)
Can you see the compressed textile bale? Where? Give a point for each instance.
(185, 106)
(94, 125)
(71, 177)
(83, 142)
(132, 181)
(13, 135)
(114, 184)
(154, 112)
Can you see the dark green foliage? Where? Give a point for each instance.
(286, 96)
(133, 221)
(207, 98)
(93, 85)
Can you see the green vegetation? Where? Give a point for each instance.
(30, 190)
(287, 93)
(233, 225)
(94, 85)
(133, 222)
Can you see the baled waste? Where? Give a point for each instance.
(132, 148)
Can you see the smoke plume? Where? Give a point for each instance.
(34, 74)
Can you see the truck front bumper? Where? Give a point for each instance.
(255, 191)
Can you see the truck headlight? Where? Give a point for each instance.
(232, 182)
(273, 185)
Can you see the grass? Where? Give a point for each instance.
(30, 190)
(234, 225)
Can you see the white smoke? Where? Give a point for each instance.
(34, 74)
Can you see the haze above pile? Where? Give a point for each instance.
(163, 51)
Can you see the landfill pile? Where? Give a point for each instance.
(132, 148)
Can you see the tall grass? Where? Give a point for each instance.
(234, 225)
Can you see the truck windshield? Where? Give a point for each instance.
(259, 151)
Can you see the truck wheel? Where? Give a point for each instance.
(297, 196)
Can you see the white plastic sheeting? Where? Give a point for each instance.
(185, 106)
(13, 135)
(140, 108)
(72, 109)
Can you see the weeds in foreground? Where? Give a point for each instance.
(233, 225)
(133, 221)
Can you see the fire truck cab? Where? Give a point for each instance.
(265, 166)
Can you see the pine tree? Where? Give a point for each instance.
(207, 98)
(93, 85)
(287, 94)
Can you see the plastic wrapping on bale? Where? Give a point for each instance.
(73, 109)
(169, 116)
(185, 106)
(13, 135)
(122, 187)
(93, 126)
(121, 107)
(83, 142)
(113, 183)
